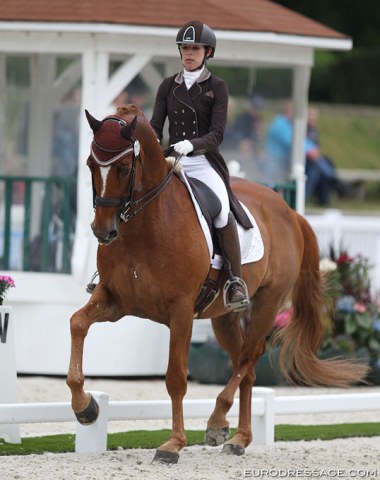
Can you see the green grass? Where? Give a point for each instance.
(152, 439)
(351, 136)
(290, 433)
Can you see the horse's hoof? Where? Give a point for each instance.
(215, 437)
(165, 456)
(89, 415)
(233, 449)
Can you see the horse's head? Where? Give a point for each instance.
(113, 163)
(116, 162)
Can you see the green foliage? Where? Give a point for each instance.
(153, 439)
(351, 77)
(18, 71)
(351, 136)
(274, 83)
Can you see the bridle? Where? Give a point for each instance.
(128, 208)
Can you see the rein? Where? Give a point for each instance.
(126, 203)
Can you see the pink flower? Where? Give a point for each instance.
(360, 307)
(6, 282)
(283, 318)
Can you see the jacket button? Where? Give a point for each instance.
(193, 133)
(184, 134)
(183, 111)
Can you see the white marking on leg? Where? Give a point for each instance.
(104, 173)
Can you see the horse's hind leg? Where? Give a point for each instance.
(266, 303)
(230, 337)
(99, 308)
(244, 353)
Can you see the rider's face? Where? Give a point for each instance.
(192, 56)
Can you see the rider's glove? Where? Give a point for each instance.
(184, 147)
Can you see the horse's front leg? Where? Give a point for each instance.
(176, 384)
(101, 307)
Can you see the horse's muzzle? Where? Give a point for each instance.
(104, 236)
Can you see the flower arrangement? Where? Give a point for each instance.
(6, 282)
(352, 316)
(353, 322)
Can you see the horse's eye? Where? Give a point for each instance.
(124, 171)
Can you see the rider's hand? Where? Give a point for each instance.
(184, 147)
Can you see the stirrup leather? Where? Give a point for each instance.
(235, 306)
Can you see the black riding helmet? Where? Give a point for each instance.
(197, 33)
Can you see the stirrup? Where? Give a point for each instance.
(91, 286)
(235, 306)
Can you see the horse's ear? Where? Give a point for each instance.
(128, 132)
(94, 124)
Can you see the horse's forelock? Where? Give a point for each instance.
(128, 109)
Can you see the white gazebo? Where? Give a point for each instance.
(249, 33)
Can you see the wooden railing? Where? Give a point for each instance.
(288, 191)
(37, 218)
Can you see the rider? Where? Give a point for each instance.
(195, 102)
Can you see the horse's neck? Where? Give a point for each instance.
(154, 168)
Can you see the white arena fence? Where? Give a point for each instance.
(93, 438)
(358, 235)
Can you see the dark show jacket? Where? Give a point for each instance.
(198, 115)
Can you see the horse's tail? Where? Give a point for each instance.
(301, 338)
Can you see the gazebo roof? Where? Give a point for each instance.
(243, 15)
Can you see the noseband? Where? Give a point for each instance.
(126, 204)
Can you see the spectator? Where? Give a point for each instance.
(242, 137)
(279, 145)
(320, 170)
(248, 127)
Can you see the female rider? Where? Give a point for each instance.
(195, 102)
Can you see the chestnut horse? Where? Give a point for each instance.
(153, 260)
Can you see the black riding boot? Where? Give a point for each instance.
(235, 289)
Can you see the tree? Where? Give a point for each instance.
(345, 77)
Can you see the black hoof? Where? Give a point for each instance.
(233, 449)
(215, 437)
(90, 288)
(165, 456)
(89, 415)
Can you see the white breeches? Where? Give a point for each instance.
(199, 167)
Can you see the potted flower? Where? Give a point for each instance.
(6, 283)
